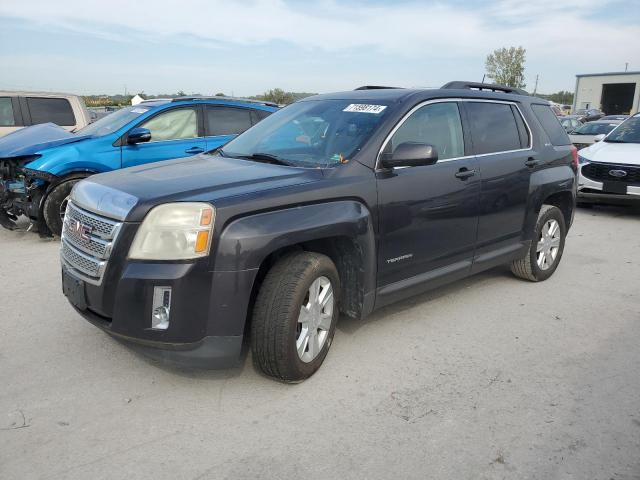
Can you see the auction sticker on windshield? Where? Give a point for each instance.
(364, 108)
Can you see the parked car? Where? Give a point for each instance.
(615, 117)
(585, 135)
(570, 122)
(22, 109)
(610, 169)
(339, 203)
(557, 109)
(589, 115)
(40, 165)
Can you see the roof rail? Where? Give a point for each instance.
(374, 87)
(492, 87)
(230, 99)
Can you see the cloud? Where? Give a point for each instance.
(407, 29)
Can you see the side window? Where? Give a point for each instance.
(7, 119)
(173, 125)
(525, 140)
(550, 124)
(227, 120)
(437, 124)
(56, 110)
(493, 127)
(257, 115)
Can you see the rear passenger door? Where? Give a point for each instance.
(503, 149)
(222, 124)
(10, 116)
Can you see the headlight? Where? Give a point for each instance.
(174, 231)
(582, 160)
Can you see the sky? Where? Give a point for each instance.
(245, 47)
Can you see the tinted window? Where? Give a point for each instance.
(437, 124)
(173, 124)
(493, 127)
(56, 110)
(6, 112)
(522, 128)
(550, 125)
(227, 121)
(260, 115)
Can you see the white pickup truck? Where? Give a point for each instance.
(22, 109)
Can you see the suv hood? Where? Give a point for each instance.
(31, 140)
(200, 178)
(618, 153)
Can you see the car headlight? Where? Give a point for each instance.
(174, 231)
(582, 160)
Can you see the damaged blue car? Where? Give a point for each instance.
(39, 165)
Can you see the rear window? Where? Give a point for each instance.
(493, 127)
(227, 121)
(56, 110)
(7, 119)
(550, 124)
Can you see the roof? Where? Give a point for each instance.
(606, 74)
(392, 95)
(21, 93)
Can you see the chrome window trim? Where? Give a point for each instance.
(377, 167)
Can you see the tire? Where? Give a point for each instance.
(55, 201)
(528, 267)
(278, 320)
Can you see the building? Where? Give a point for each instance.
(614, 93)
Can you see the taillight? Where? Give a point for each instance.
(574, 153)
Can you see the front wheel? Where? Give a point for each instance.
(545, 253)
(55, 205)
(294, 316)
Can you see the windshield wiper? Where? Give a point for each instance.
(614, 141)
(265, 157)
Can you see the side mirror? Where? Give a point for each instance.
(138, 135)
(410, 154)
(599, 138)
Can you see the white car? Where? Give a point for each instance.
(610, 168)
(23, 109)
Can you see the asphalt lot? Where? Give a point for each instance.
(489, 378)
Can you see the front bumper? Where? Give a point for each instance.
(207, 314)
(593, 190)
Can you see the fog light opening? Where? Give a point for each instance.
(161, 308)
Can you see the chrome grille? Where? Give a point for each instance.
(87, 241)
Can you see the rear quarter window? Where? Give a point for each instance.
(55, 110)
(550, 124)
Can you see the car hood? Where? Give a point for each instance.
(31, 140)
(128, 194)
(617, 153)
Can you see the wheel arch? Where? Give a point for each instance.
(342, 230)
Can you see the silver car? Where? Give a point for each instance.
(591, 132)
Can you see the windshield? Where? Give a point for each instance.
(595, 128)
(310, 133)
(628, 132)
(112, 122)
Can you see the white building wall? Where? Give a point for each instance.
(589, 89)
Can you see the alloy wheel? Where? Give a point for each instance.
(548, 244)
(314, 321)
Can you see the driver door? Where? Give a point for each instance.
(175, 133)
(429, 213)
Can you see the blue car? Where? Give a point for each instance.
(39, 165)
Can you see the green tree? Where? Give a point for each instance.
(506, 66)
(220, 94)
(277, 95)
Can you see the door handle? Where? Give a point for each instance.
(464, 173)
(194, 150)
(531, 162)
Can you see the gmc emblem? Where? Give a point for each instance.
(81, 230)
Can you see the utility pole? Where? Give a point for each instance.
(626, 66)
(535, 89)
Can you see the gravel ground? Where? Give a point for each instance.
(489, 378)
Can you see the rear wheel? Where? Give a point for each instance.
(545, 253)
(294, 316)
(55, 205)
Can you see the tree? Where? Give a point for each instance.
(506, 66)
(220, 94)
(277, 95)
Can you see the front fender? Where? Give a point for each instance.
(246, 242)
